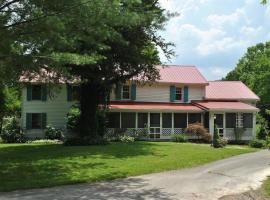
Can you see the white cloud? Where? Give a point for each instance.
(219, 71)
(251, 32)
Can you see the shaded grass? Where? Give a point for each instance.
(25, 166)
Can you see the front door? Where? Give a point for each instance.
(219, 123)
(154, 125)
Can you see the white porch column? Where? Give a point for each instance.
(254, 125)
(120, 120)
(187, 120)
(224, 124)
(211, 123)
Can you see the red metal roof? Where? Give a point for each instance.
(181, 74)
(154, 106)
(229, 90)
(228, 106)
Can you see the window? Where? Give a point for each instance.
(239, 120)
(194, 117)
(128, 120)
(73, 93)
(167, 120)
(36, 92)
(180, 120)
(219, 120)
(113, 120)
(142, 120)
(178, 94)
(126, 92)
(76, 93)
(36, 121)
(230, 120)
(154, 120)
(248, 120)
(206, 120)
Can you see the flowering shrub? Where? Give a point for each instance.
(198, 130)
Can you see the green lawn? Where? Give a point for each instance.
(30, 165)
(266, 187)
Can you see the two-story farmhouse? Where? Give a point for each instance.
(181, 96)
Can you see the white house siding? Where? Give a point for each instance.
(196, 92)
(56, 110)
(161, 92)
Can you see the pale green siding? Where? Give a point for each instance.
(56, 109)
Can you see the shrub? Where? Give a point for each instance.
(45, 141)
(267, 142)
(256, 143)
(217, 141)
(52, 133)
(127, 139)
(261, 128)
(73, 117)
(238, 132)
(178, 138)
(11, 131)
(198, 130)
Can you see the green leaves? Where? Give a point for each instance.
(76, 59)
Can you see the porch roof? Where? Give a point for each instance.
(154, 106)
(226, 106)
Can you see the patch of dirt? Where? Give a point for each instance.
(249, 195)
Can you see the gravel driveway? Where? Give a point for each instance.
(211, 181)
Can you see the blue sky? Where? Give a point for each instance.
(214, 34)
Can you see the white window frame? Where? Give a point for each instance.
(239, 120)
(180, 93)
(129, 92)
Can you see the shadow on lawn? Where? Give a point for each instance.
(32, 166)
(132, 188)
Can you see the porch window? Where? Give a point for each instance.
(154, 120)
(113, 120)
(230, 120)
(180, 120)
(126, 92)
(167, 120)
(178, 94)
(248, 120)
(239, 120)
(128, 120)
(194, 117)
(142, 120)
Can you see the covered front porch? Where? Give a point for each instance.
(160, 121)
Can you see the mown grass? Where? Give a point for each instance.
(266, 187)
(25, 166)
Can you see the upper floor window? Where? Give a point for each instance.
(36, 92)
(73, 93)
(178, 94)
(126, 92)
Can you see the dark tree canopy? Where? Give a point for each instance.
(101, 41)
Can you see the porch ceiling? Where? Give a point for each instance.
(226, 106)
(154, 106)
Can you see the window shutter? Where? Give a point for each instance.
(69, 93)
(29, 92)
(133, 91)
(28, 120)
(43, 120)
(118, 91)
(44, 92)
(186, 98)
(172, 93)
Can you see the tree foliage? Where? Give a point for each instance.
(102, 42)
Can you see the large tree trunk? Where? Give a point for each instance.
(89, 108)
